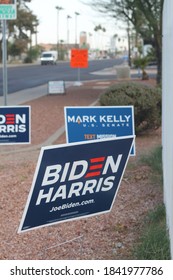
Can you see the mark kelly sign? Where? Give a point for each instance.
(75, 180)
(92, 123)
(14, 125)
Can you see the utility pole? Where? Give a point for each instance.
(58, 10)
(4, 59)
(7, 12)
(68, 31)
(76, 14)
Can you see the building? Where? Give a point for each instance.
(83, 40)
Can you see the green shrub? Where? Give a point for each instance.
(154, 160)
(28, 59)
(32, 54)
(154, 241)
(142, 63)
(145, 99)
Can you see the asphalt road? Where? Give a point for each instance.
(29, 76)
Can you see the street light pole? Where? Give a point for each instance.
(129, 43)
(68, 33)
(76, 14)
(58, 10)
(36, 31)
(4, 60)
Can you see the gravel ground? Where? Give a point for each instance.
(107, 236)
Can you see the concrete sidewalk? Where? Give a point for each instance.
(133, 71)
(26, 95)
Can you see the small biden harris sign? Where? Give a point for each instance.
(14, 125)
(75, 180)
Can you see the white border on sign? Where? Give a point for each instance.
(37, 171)
(20, 143)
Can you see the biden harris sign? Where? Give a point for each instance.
(15, 125)
(75, 180)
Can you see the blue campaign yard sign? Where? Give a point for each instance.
(75, 180)
(14, 125)
(91, 123)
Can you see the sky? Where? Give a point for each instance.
(48, 32)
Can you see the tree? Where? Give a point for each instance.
(20, 30)
(99, 28)
(25, 22)
(141, 63)
(145, 16)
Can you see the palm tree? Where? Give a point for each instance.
(142, 62)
